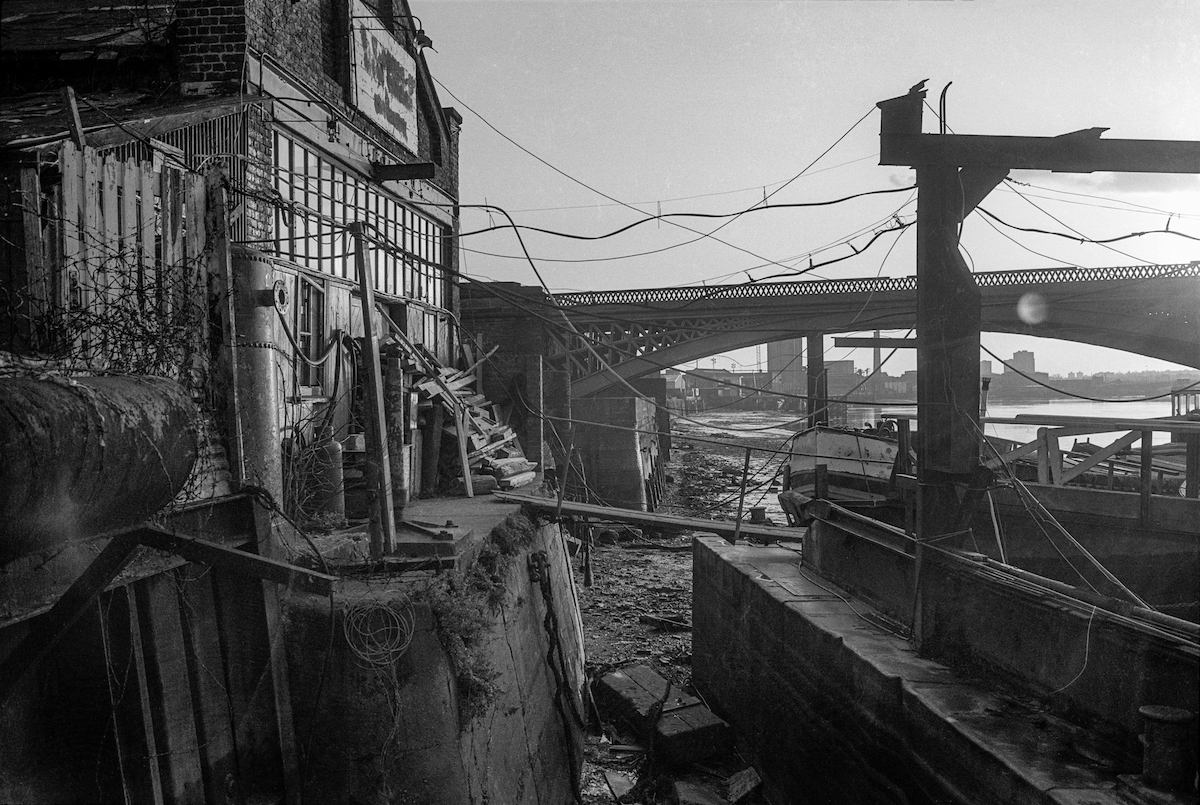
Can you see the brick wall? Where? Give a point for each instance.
(310, 39)
(211, 45)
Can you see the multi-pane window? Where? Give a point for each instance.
(320, 199)
(310, 331)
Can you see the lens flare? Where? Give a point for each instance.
(1031, 308)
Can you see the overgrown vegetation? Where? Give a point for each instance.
(461, 603)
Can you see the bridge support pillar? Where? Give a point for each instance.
(818, 381)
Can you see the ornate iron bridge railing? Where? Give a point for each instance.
(767, 290)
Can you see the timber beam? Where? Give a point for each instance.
(237, 561)
(1077, 152)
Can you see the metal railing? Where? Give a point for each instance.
(769, 290)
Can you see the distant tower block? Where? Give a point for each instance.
(785, 364)
(1022, 361)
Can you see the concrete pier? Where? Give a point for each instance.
(836, 709)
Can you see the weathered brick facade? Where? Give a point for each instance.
(210, 45)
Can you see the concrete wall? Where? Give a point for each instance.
(836, 710)
(403, 732)
(622, 464)
(981, 620)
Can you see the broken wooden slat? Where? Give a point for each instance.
(496, 445)
(464, 457)
(92, 249)
(38, 279)
(196, 267)
(132, 724)
(168, 685)
(685, 731)
(518, 480)
(112, 280)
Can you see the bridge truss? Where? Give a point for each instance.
(628, 327)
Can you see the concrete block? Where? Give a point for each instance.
(686, 730)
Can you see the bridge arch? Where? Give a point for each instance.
(1148, 310)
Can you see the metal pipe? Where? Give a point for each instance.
(89, 455)
(257, 292)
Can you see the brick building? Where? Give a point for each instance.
(169, 170)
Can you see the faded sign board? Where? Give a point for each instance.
(385, 77)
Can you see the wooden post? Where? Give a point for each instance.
(395, 401)
(462, 423)
(1147, 476)
(1192, 465)
(431, 447)
(216, 226)
(737, 529)
(818, 382)
(378, 464)
(74, 124)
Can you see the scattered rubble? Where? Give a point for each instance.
(637, 614)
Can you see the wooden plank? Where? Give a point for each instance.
(245, 642)
(395, 398)
(216, 224)
(169, 687)
(37, 277)
(51, 626)
(1075, 425)
(132, 723)
(111, 276)
(169, 215)
(195, 549)
(383, 527)
(74, 124)
(493, 446)
(1099, 456)
(463, 454)
(70, 161)
(195, 270)
(130, 187)
(674, 522)
(214, 719)
(90, 271)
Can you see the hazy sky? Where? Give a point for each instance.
(707, 106)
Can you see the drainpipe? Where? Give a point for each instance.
(256, 292)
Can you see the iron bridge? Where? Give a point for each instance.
(1152, 310)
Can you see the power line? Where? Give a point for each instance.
(702, 235)
(664, 216)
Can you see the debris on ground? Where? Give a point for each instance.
(637, 613)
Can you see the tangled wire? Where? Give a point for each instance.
(378, 634)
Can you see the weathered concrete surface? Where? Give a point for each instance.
(403, 732)
(839, 711)
(621, 464)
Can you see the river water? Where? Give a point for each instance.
(767, 432)
(1141, 409)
